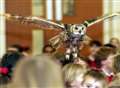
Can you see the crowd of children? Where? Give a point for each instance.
(101, 69)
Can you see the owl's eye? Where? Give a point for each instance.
(76, 28)
(82, 28)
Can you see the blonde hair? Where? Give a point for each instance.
(71, 71)
(39, 72)
(114, 38)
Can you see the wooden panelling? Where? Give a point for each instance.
(17, 33)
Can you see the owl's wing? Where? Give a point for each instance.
(57, 40)
(91, 22)
(32, 20)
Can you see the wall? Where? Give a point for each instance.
(17, 33)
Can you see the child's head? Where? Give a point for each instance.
(81, 61)
(104, 56)
(94, 46)
(94, 79)
(73, 75)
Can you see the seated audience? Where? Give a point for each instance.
(101, 69)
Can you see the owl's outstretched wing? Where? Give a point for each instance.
(91, 22)
(32, 20)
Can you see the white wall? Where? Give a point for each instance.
(2, 28)
(111, 26)
(58, 10)
(37, 34)
(116, 21)
(49, 9)
(37, 41)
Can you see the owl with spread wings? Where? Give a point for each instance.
(72, 34)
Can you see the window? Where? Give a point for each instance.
(38, 7)
(68, 7)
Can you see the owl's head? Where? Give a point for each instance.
(78, 29)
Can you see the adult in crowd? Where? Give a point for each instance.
(37, 72)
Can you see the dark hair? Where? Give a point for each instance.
(9, 60)
(95, 43)
(116, 64)
(109, 45)
(96, 74)
(102, 54)
(18, 47)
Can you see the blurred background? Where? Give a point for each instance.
(64, 11)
